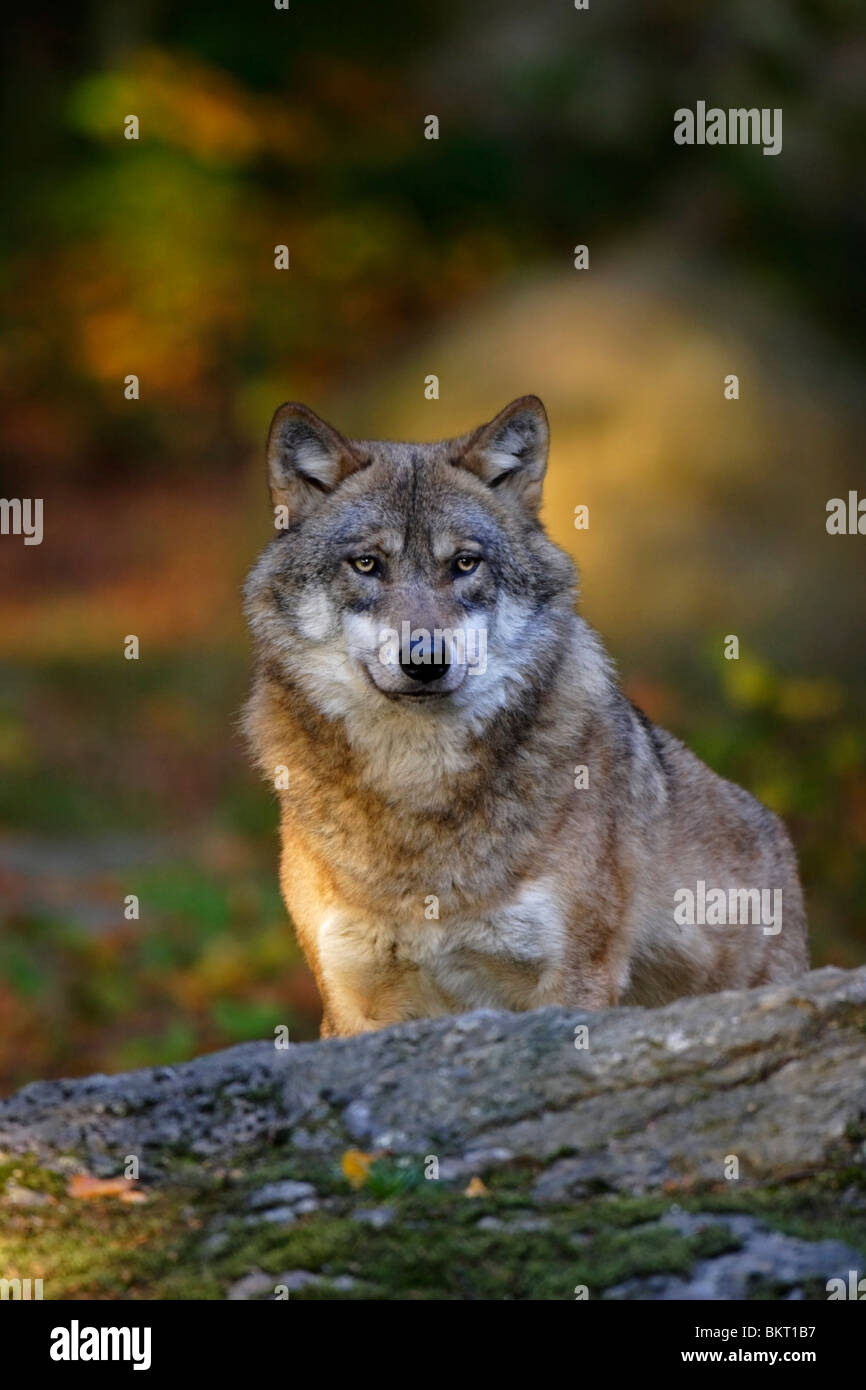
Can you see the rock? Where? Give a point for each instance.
(774, 1077)
(216, 1242)
(377, 1217)
(477, 1161)
(778, 1262)
(579, 1153)
(519, 1223)
(258, 1285)
(276, 1193)
(282, 1202)
(252, 1285)
(356, 1118)
(280, 1216)
(297, 1279)
(16, 1196)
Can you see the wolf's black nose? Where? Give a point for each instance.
(420, 670)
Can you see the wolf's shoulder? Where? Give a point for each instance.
(702, 791)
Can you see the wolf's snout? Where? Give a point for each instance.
(424, 664)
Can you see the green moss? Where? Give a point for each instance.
(440, 1244)
(25, 1172)
(809, 1210)
(103, 1248)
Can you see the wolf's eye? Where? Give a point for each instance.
(365, 564)
(466, 564)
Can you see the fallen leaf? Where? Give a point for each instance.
(355, 1165)
(476, 1188)
(84, 1185)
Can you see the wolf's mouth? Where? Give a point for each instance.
(417, 695)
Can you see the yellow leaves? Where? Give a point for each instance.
(192, 105)
(221, 971)
(85, 1187)
(749, 683)
(355, 1166)
(810, 699)
(178, 100)
(476, 1188)
(778, 791)
(167, 356)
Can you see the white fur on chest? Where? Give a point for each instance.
(383, 971)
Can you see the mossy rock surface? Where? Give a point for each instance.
(712, 1149)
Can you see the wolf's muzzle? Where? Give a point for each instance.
(423, 666)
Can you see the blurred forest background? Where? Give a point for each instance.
(408, 257)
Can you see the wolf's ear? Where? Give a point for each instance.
(306, 458)
(511, 452)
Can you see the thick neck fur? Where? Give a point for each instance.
(460, 810)
(429, 761)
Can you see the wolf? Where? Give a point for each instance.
(472, 813)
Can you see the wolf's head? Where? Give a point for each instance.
(411, 575)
